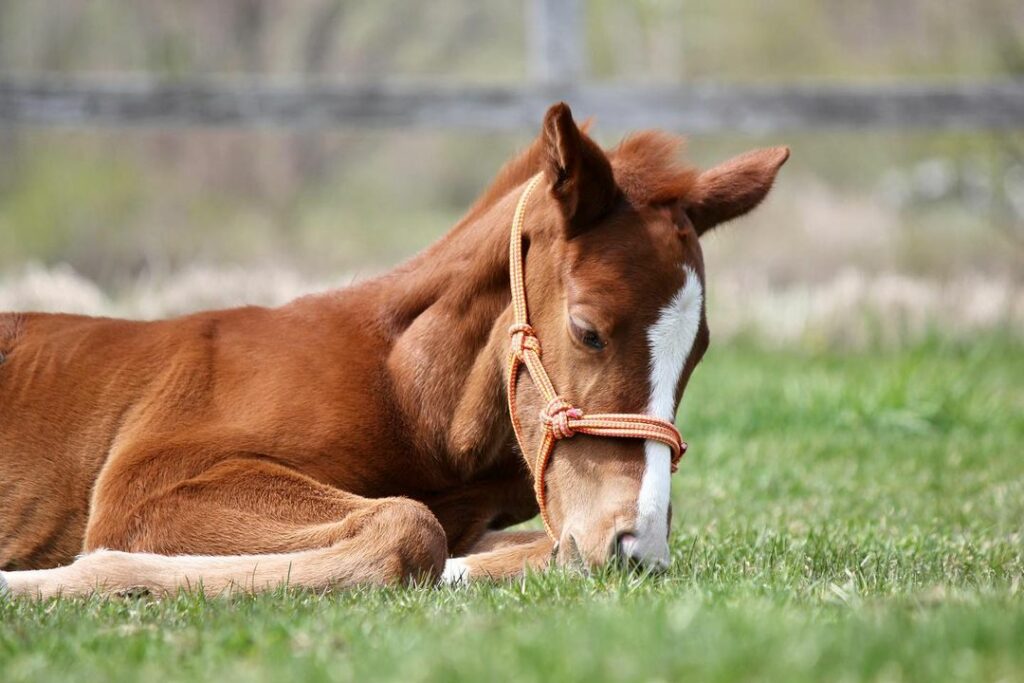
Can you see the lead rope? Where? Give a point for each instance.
(561, 419)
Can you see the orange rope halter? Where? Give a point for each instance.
(560, 418)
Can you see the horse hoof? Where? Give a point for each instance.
(456, 573)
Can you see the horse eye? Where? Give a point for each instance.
(591, 339)
(586, 334)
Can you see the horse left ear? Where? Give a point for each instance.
(733, 188)
(579, 172)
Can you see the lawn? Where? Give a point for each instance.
(840, 516)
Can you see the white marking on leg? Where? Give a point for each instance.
(4, 590)
(456, 571)
(671, 340)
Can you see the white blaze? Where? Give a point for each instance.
(671, 340)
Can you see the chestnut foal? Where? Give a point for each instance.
(364, 435)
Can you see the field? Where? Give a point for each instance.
(840, 516)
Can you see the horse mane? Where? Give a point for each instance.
(648, 169)
(646, 166)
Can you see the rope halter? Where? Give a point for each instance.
(560, 418)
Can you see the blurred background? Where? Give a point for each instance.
(882, 229)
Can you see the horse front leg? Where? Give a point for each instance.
(501, 555)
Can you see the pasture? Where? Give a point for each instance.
(840, 516)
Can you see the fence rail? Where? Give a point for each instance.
(692, 108)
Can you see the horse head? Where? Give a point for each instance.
(614, 278)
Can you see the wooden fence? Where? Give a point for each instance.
(556, 47)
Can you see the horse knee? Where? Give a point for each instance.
(411, 539)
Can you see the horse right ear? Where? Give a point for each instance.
(578, 171)
(733, 188)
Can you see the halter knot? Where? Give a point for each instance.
(556, 416)
(523, 338)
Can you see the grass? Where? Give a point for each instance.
(839, 517)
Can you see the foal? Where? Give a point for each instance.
(366, 435)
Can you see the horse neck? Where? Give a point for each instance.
(448, 312)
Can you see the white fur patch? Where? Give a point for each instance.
(456, 571)
(4, 590)
(671, 340)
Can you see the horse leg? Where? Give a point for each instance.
(472, 511)
(248, 525)
(501, 555)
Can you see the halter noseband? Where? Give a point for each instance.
(561, 420)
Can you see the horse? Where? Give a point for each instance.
(385, 433)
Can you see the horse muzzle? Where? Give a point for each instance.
(626, 549)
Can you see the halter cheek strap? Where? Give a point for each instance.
(560, 418)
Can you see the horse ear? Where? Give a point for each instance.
(733, 188)
(579, 172)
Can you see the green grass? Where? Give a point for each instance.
(839, 517)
